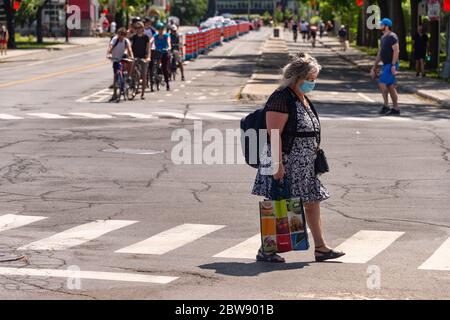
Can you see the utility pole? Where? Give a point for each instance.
(66, 6)
(446, 71)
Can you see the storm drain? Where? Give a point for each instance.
(134, 151)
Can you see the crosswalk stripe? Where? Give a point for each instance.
(5, 116)
(11, 221)
(440, 260)
(177, 115)
(218, 115)
(92, 115)
(135, 115)
(77, 235)
(366, 244)
(47, 115)
(171, 239)
(244, 250)
(81, 274)
(362, 95)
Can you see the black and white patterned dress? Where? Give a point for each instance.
(298, 165)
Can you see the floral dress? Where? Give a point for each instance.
(298, 165)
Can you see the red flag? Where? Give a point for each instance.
(446, 5)
(359, 3)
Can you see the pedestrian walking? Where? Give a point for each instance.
(342, 34)
(321, 29)
(113, 27)
(4, 37)
(292, 113)
(295, 30)
(389, 54)
(420, 45)
(313, 34)
(304, 29)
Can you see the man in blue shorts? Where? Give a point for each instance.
(388, 54)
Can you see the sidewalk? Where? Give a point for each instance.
(74, 42)
(432, 89)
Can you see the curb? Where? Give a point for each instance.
(419, 92)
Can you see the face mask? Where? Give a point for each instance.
(307, 86)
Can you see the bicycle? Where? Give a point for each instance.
(121, 80)
(155, 76)
(174, 59)
(135, 81)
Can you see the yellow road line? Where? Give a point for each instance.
(53, 74)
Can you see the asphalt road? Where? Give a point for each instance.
(76, 206)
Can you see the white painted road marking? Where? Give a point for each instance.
(12, 221)
(47, 115)
(218, 115)
(440, 260)
(77, 235)
(91, 115)
(4, 116)
(362, 95)
(94, 275)
(98, 96)
(244, 250)
(171, 239)
(135, 115)
(177, 115)
(364, 245)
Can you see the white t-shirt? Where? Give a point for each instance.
(112, 28)
(119, 48)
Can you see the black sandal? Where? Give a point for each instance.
(332, 254)
(273, 257)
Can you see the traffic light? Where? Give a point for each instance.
(446, 5)
(16, 5)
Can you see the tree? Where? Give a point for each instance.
(189, 11)
(398, 20)
(10, 16)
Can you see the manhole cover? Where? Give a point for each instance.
(134, 151)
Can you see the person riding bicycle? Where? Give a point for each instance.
(175, 42)
(140, 44)
(132, 27)
(116, 50)
(162, 48)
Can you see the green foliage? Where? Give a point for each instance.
(315, 20)
(266, 18)
(193, 13)
(278, 16)
(288, 14)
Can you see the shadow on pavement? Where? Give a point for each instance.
(240, 269)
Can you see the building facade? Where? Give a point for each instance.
(244, 6)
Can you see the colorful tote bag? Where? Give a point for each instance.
(283, 223)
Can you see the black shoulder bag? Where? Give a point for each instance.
(321, 163)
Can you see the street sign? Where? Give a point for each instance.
(434, 10)
(423, 8)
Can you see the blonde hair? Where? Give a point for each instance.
(300, 67)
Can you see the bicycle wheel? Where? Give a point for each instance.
(116, 88)
(133, 85)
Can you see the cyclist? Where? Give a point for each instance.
(148, 28)
(162, 47)
(175, 42)
(140, 44)
(131, 29)
(116, 50)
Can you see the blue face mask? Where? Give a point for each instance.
(307, 86)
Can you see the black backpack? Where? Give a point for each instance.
(255, 122)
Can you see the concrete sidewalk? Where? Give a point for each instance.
(74, 42)
(429, 88)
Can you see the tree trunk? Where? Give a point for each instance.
(414, 25)
(360, 35)
(399, 28)
(373, 35)
(10, 23)
(434, 44)
(384, 7)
